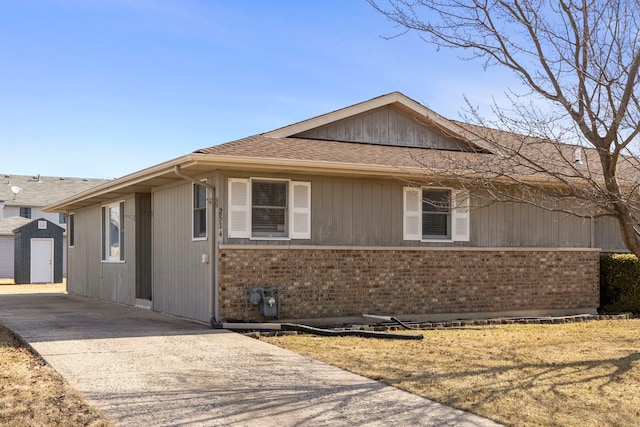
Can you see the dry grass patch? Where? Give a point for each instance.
(7, 286)
(580, 374)
(34, 394)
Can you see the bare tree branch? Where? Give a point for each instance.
(580, 61)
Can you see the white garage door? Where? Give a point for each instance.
(7, 245)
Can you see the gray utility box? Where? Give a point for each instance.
(267, 299)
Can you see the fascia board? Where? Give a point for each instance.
(118, 184)
(309, 166)
(336, 168)
(216, 162)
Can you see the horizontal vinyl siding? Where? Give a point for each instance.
(36, 213)
(7, 245)
(182, 283)
(358, 212)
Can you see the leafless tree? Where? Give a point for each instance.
(579, 62)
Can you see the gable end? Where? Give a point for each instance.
(385, 125)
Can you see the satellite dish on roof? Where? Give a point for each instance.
(15, 190)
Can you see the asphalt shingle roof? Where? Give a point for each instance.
(7, 225)
(489, 154)
(260, 146)
(516, 155)
(43, 190)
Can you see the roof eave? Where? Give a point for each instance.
(125, 183)
(164, 173)
(128, 183)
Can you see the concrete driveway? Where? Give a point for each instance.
(143, 368)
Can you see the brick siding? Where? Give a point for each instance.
(330, 282)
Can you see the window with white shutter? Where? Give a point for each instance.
(269, 209)
(412, 213)
(301, 210)
(436, 214)
(461, 231)
(239, 208)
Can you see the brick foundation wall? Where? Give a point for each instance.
(334, 282)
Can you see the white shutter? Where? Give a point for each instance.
(300, 210)
(412, 229)
(239, 222)
(460, 214)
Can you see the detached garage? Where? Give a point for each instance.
(38, 252)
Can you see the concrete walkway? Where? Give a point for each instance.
(142, 368)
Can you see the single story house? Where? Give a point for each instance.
(327, 219)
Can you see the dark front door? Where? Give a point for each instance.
(143, 227)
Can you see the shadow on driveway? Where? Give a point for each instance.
(142, 368)
(55, 317)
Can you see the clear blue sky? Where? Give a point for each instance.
(103, 88)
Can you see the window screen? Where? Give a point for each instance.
(113, 232)
(269, 208)
(436, 214)
(199, 211)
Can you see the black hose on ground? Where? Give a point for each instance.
(404, 325)
(347, 333)
(310, 330)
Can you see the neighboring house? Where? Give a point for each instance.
(318, 222)
(22, 198)
(7, 244)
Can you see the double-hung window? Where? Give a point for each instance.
(199, 212)
(269, 209)
(113, 232)
(269, 201)
(25, 213)
(436, 214)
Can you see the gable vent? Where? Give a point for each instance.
(577, 156)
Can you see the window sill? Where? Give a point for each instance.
(198, 239)
(270, 238)
(108, 261)
(437, 241)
